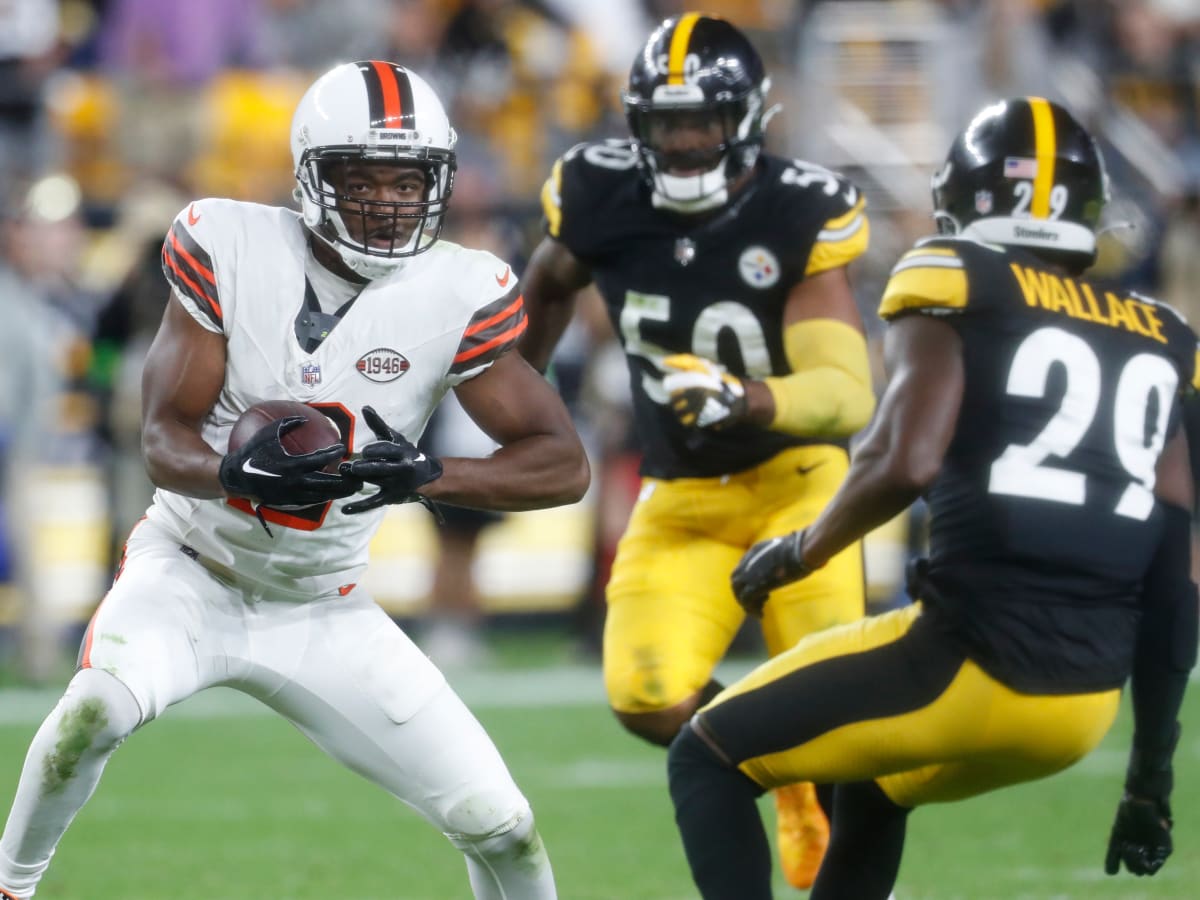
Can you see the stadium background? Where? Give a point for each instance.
(114, 114)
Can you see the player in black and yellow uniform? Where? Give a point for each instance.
(723, 270)
(1038, 413)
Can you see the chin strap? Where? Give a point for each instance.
(702, 204)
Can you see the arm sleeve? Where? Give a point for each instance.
(1166, 647)
(829, 392)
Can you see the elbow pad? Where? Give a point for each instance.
(829, 392)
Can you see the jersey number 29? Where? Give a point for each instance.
(1022, 471)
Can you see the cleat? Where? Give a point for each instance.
(802, 833)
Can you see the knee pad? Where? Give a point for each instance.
(489, 824)
(96, 713)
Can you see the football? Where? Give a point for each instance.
(317, 433)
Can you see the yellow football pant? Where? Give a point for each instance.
(671, 611)
(891, 698)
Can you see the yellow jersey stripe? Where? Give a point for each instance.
(931, 288)
(929, 262)
(844, 219)
(679, 47)
(1045, 148)
(839, 248)
(552, 200)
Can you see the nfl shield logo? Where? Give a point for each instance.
(310, 374)
(983, 202)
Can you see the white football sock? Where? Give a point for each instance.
(62, 768)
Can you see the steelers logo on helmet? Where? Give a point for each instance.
(694, 104)
(358, 122)
(1024, 172)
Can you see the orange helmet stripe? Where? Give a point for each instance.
(391, 94)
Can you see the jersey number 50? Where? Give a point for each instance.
(711, 321)
(1021, 470)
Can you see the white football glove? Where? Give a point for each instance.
(703, 394)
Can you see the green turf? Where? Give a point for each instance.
(218, 801)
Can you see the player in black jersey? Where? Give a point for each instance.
(723, 270)
(1037, 412)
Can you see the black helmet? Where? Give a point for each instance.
(696, 65)
(1024, 172)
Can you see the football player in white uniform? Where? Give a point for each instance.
(244, 571)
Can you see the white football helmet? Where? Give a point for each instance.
(378, 112)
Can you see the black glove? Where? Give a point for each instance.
(766, 566)
(1141, 834)
(394, 463)
(261, 468)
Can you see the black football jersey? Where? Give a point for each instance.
(1043, 518)
(712, 286)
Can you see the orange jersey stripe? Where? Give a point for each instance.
(512, 333)
(195, 287)
(509, 310)
(200, 268)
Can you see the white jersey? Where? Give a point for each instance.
(239, 269)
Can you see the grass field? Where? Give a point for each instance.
(221, 800)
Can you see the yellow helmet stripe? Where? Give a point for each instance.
(679, 47)
(1044, 147)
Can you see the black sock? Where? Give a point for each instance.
(865, 846)
(716, 810)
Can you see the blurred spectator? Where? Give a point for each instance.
(28, 56)
(312, 35)
(42, 253)
(161, 54)
(40, 347)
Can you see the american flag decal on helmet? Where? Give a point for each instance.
(492, 332)
(389, 95)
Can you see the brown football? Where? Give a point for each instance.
(317, 433)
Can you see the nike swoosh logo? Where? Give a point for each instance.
(192, 217)
(250, 469)
(804, 470)
(503, 282)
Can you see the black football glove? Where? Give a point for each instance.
(261, 468)
(394, 463)
(766, 566)
(1141, 834)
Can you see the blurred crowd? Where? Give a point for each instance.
(115, 113)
